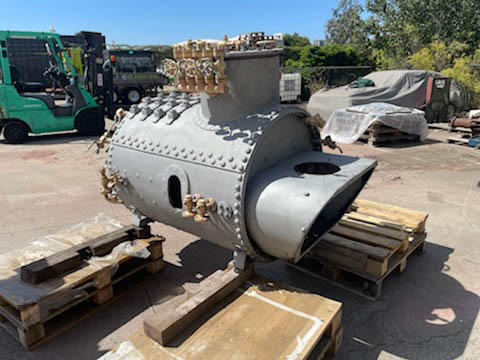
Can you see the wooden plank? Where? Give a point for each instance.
(367, 237)
(374, 228)
(376, 268)
(342, 261)
(371, 251)
(64, 261)
(411, 218)
(31, 335)
(354, 215)
(326, 248)
(392, 209)
(51, 267)
(164, 327)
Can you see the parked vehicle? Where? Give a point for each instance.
(25, 104)
(135, 75)
(439, 96)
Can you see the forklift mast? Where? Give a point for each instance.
(96, 74)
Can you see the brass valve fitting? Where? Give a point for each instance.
(188, 203)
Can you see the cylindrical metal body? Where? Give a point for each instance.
(240, 149)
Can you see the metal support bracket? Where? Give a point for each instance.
(240, 259)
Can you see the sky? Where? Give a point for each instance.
(146, 22)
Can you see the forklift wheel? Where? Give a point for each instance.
(90, 123)
(15, 132)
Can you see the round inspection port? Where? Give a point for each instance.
(316, 168)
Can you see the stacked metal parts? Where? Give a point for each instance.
(228, 163)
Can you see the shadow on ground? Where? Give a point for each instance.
(54, 139)
(422, 314)
(405, 144)
(198, 260)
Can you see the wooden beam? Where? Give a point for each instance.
(67, 260)
(371, 251)
(165, 326)
(374, 228)
(367, 237)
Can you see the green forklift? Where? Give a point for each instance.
(28, 106)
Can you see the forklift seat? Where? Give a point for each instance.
(45, 97)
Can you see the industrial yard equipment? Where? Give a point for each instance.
(470, 123)
(225, 161)
(26, 106)
(134, 71)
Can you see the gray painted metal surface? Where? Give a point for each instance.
(238, 151)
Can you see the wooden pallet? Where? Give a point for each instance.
(239, 316)
(79, 294)
(370, 242)
(378, 134)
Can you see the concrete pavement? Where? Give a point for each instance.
(430, 312)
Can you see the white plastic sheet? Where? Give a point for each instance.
(345, 126)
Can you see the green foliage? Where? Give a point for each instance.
(327, 55)
(403, 27)
(462, 72)
(290, 53)
(295, 40)
(435, 56)
(383, 61)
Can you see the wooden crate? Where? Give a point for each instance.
(239, 316)
(378, 134)
(370, 241)
(73, 297)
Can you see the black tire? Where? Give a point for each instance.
(15, 132)
(132, 96)
(90, 123)
(451, 111)
(116, 98)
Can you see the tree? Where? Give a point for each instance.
(328, 55)
(295, 40)
(403, 27)
(346, 25)
(437, 55)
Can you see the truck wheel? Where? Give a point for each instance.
(133, 96)
(115, 96)
(15, 132)
(90, 123)
(451, 111)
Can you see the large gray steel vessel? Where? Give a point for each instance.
(225, 161)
